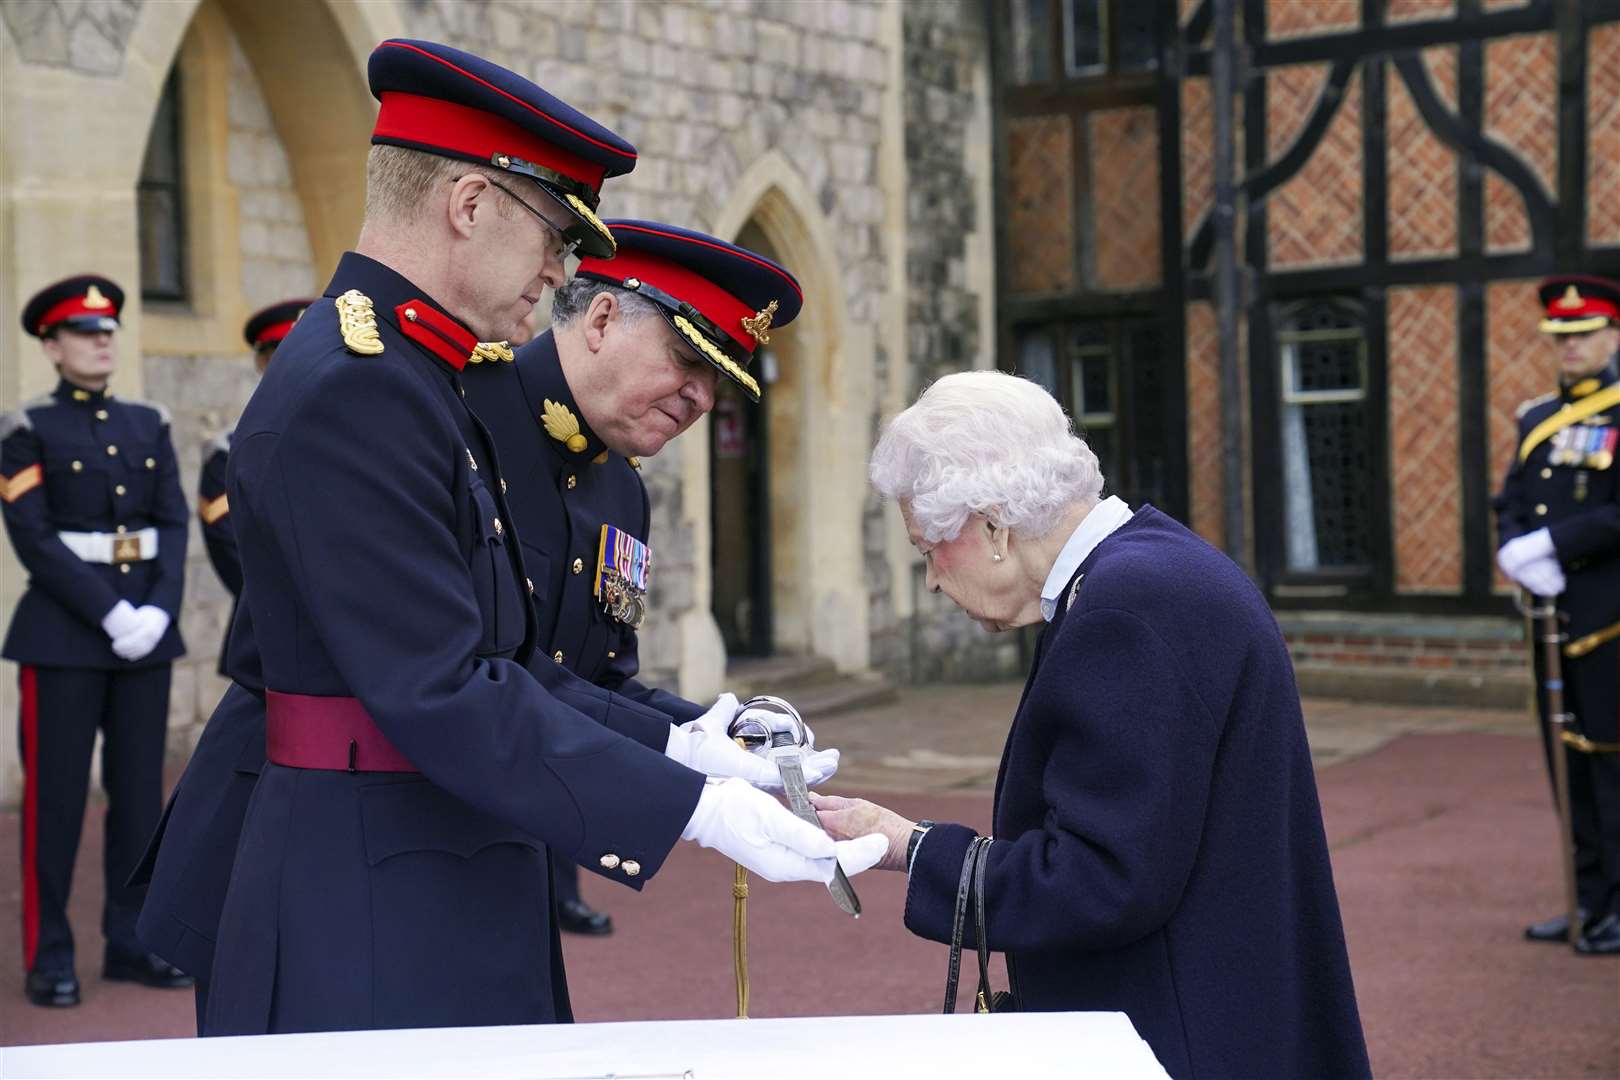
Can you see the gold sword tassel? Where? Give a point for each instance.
(739, 938)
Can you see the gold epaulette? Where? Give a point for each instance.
(357, 322)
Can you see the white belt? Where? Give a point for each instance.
(99, 547)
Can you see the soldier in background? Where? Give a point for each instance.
(1558, 523)
(263, 332)
(92, 502)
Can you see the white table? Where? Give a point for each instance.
(808, 1048)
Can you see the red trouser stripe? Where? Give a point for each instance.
(28, 692)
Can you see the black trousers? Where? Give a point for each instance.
(564, 880)
(61, 711)
(1592, 695)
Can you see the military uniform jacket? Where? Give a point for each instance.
(561, 497)
(378, 564)
(214, 514)
(1158, 842)
(85, 461)
(1564, 478)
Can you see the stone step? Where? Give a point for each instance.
(777, 674)
(1395, 686)
(812, 683)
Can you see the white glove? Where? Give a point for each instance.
(749, 827)
(703, 744)
(153, 623)
(1544, 577)
(120, 620)
(1522, 550)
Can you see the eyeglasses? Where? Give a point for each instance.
(565, 246)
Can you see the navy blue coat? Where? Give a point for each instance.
(1159, 845)
(369, 515)
(560, 499)
(81, 461)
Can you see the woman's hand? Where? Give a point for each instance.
(846, 819)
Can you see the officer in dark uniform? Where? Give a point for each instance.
(571, 417)
(92, 502)
(391, 870)
(1558, 519)
(263, 332)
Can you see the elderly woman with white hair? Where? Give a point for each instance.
(1158, 846)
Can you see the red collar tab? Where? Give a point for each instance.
(436, 332)
(446, 127)
(721, 308)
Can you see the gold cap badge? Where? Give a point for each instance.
(759, 323)
(1570, 299)
(94, 299)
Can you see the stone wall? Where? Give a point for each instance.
(206, 392)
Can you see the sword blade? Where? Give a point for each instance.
(798, 795)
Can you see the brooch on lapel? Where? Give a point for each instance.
(357, 322)
(1073, 591)
(563, 425)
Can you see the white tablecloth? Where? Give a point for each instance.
(810, 1048)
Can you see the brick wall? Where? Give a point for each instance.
(1603, 134)
(1040, 203)
(1422, 169)
(1426, 481)
(1315, 218)
(1125, 198)
(1206, 478)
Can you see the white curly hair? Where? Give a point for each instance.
(985, 442)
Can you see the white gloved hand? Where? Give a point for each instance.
(1544, 577)
(703, 744)
(1522, 550)
(153, 623)
(749, 827)
(120, 620)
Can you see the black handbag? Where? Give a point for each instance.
(970, 890)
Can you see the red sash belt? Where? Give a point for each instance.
(306, 732)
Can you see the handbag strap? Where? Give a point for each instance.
(964, 887)
(986, 996)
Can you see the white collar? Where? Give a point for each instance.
(1093, 529)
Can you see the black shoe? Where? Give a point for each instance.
(52, 989)
(1600, 938)
(576, 917)
(1555, 929)
(145, 969)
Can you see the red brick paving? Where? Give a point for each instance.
(1442, 849)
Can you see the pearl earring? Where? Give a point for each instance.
(995, 558)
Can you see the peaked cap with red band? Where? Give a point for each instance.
(722, 299)
(1579, 303)
(267, 327)
(447, 102)
(87, 303)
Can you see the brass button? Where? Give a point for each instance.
(122, 529)
(112, 451)
(530, 583)
(1541, 509)
(151, 463)
(123, 568)
(503, 486)
(78, 466)
(410, 313)
(609, 861)
(462, 390)
(101, 414)
(579, 564)
(495, 523)
(631, 868)
(1546, 474)
(573, 481)
(612, 654)
(119, 490)
(557, 656)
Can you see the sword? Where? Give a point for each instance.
(772, 728)
(1544, 625)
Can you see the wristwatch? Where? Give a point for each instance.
(917, 832)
